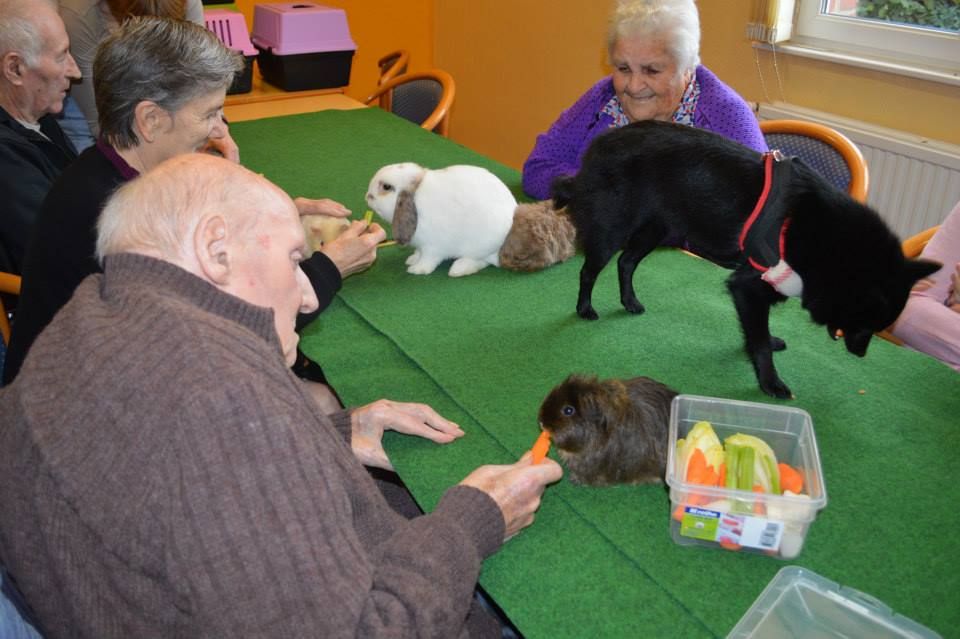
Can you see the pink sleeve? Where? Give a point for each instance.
(927, 324)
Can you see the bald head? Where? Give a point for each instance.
(222, 223)
(158, 213)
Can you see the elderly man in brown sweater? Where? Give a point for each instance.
(164, 474)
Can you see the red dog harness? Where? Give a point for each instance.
(762, 236)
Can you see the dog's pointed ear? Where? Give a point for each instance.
(404, 217)
(918, 269)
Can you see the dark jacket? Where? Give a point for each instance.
(163, 474)
(29, 164)
(61, 255)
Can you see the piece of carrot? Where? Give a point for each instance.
(758, 508)
(679, 511)
(728, 544)
(698, 472)
(541, 446)
(790, 478)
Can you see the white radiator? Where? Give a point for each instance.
(914, 181)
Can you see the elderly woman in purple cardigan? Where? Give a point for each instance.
(654, 50)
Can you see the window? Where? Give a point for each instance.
(916, 37)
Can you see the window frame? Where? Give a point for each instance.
(889, 44)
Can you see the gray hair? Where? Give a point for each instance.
(18, 29)
(166, 61)
(157, 212)
(675, 21)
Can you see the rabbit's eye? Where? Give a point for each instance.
(567, 410)
(386, 187)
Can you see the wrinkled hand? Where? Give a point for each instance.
(224, 147)
(324, 206)
(516, 488)
(369, 422)
(356, 248)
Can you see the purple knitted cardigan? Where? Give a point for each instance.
(559, 151)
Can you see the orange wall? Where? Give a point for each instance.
(378, 27)
(517, 68)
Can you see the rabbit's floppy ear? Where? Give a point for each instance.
(404, 217)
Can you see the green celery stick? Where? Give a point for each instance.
(731, 459)
(746, 468)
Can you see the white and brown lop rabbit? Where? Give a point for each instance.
(461, 212)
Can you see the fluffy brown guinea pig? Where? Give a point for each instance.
(609, 432)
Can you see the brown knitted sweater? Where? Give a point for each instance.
(163, 474)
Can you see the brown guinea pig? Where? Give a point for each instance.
(609, 432)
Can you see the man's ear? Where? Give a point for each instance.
(150, 120)
(12, 67)
(211, 249)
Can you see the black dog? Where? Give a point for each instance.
(649, 180)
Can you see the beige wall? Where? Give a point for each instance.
(516, 68)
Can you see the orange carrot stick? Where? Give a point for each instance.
(541, 446)
(758, 506)
(728, 544)
(698, 472)
(790, 478)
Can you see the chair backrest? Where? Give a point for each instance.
(10, 284)
(913, 246)
(423, 97)
(393, 64)
(825, 150)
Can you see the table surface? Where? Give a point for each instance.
(263, 91)
(485, 350)
(292, 105)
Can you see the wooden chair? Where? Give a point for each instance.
(825, 150)
(10, 284)
(392, 65)
(423, 97)
(912, 247)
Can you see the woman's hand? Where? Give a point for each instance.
(324, 206)
(356, 248)
(370, 421)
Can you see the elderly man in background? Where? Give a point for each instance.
(160, 85)
(36, 69)
(163, 473)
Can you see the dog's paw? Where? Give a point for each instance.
(777, 344)
(587, 313)
(634, 306)
(776, 388)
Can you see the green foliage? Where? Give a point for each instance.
(944, 14)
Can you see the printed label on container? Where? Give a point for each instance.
(729, 529)
(699, 523)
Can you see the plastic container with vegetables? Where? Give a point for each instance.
(743, 476)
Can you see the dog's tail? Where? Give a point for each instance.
(563, 189)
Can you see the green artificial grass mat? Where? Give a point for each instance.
(486, 349)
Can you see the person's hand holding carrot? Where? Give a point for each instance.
(516, 488)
